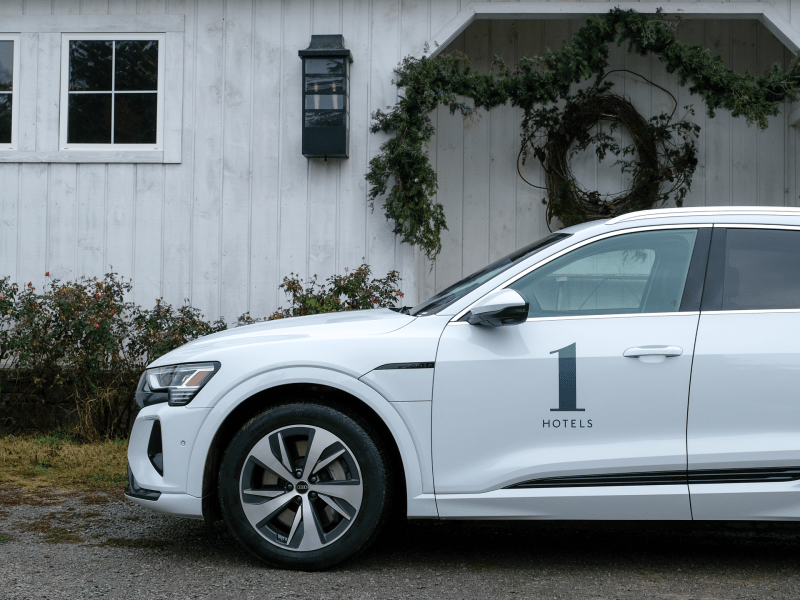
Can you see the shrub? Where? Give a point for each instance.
(355, 290)
(81, 343)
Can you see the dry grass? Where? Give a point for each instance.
(58, 461)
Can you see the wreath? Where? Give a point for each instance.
(401, 174)
(661, 151)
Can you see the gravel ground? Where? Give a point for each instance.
(89, 544)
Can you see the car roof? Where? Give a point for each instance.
(712, 214)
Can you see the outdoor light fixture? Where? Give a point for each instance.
(326, 97)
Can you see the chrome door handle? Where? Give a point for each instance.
(667, 351)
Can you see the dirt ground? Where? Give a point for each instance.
(93, 543)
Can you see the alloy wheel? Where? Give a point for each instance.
(301, 487)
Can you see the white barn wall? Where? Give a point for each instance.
(243, 208)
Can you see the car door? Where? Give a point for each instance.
(580, 412)
(743, 436)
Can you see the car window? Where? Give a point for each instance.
(461, 288)
(762, 269)
(641, 272)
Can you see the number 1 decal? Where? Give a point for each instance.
(567, 379)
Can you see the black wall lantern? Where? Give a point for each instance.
(326, 97)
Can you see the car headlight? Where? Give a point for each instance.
(176, 383)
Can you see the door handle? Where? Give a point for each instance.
(640, 351)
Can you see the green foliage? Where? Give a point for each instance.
(83, 343)
(356, 290)
(402, 167)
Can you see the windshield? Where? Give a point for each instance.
(458, 290)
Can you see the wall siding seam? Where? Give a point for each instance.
(221, 205)
(250, 155)
(280, 158)
(135, 178)
(367, 135)
(308, 173)
(163, 230)
(194, 156)
(47, 222)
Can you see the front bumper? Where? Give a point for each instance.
(159, 454)
(177, 505)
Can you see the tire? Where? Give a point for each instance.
(305, 517)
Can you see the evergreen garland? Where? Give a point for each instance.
(446, 79)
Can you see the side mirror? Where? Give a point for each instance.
(501, 307)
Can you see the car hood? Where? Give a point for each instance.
(329, 326)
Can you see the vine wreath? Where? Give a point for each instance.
(661, 151)
(448, 79)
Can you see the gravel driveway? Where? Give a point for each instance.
(89, 544)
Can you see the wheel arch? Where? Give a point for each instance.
(328, 387)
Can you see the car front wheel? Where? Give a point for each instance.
(304, 486)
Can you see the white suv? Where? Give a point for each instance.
(645, 367)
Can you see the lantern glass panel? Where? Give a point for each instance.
(325, 84)
(325, 118)
(319, 102)
(325, 66)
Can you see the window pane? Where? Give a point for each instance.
(632, 273)
(90, 65)
(136, 65)
(762, 269)
(5, 118)
(324, 118)
(461, 288)
(325, 66)
(317, 102)
(89, 120)
(135, 118)
(6, 65)
(323, 84)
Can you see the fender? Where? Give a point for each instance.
(419, 505)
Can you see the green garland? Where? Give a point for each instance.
(448, 79)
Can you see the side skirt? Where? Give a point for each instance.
(710, 476)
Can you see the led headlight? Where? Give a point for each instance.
(181, 382)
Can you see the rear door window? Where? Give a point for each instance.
(761, 269)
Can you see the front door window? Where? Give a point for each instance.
(635, 273)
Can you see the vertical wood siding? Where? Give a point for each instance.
(244, 208)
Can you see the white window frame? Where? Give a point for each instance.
(64, 107)
(15, 38)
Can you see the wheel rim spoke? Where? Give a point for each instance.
(349, 492)
(263, 454)
(324, 463)
(321, 441)
(264, 493)
(295, 524)
(258, 513)
(311, 535)
(284, 453)
(332, 503)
